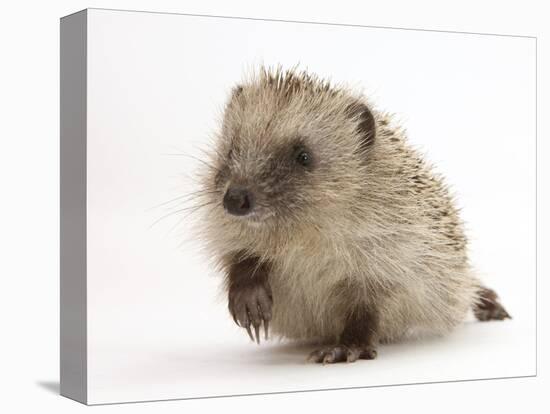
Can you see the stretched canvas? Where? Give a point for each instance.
(144, 309)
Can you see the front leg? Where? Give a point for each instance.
(357, 341)
(250, 298)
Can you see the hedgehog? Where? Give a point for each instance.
(329, 228)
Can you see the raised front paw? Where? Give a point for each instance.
(250, 305)
(342, 353)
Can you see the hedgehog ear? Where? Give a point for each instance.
(366, 125)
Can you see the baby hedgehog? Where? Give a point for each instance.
(328, 226)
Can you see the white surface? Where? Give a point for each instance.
(157, 328)
(29, 219)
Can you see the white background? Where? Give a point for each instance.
(30, 223)
(156, 326)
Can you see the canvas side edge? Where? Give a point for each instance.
(73, 125)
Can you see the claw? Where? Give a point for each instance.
(249, 332)
(249, 308)
(369, 354)
(341, 353)
(328, 358)
(315, 356)
(352, 355)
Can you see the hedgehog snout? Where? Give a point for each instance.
(238, 201)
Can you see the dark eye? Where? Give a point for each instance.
(304, 158)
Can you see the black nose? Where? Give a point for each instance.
(238, 201)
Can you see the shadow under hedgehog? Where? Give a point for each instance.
(328, 226)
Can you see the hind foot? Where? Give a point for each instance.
(342, 353)
(489, 308)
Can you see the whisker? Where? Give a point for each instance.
(176, 225)
(208, 154)
(192, 199)
(185, 197)
(214, 205)
(191, 209)
(194, 158)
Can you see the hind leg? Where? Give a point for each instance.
(489, 308)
